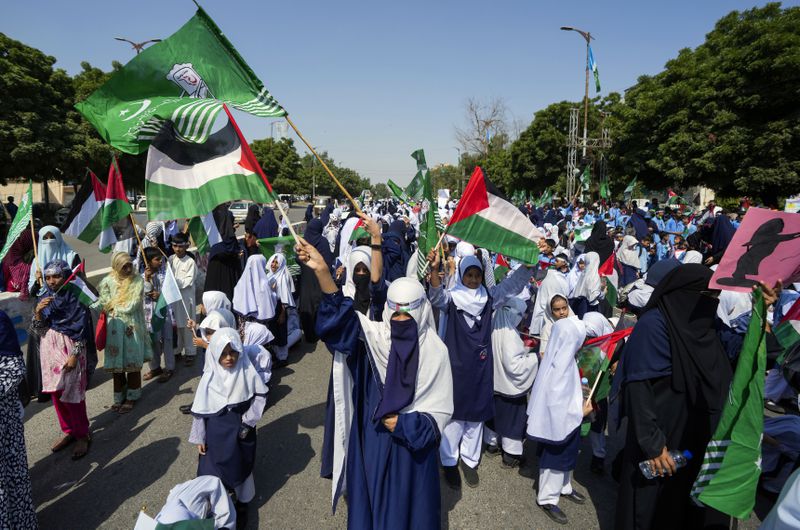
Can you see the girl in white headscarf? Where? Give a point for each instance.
(465, 324)
(254, 338)
(629, 260)
(515, 367)
(254, 296)
(555, 412)
(556, 309)
(554, 283)
(692, 256)
(589, 289)
(396, 399)
(284, 287)
(228, 403)
(215, 300)
(575, 274)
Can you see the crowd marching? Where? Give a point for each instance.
(427, 377)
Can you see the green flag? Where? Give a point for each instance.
(631, 186)
(21, 222)
(428, 234)
(419, 156)
(586, 177)
(398, 191)
(185, 78)
(414, 189)
(605, 192)
(273, 245)
(728, 479)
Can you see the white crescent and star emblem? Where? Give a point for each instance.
(145, 104)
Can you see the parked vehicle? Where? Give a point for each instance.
(141, 205)
(320, 203)
(239, 210)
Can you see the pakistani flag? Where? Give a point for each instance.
(21, 222)
(731, 468)
(586, 178)
(184, 79)
(275, 245)
(398, 191)
(428, 226)
(204, 232)
(582, 233)
(170, 294)
(629, 190)
(605, 192)
(185, 179)
(84, 220)
(487, 219)
(75, 285)
(595, 71)
(115, 217)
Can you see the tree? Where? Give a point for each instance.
(312, 171)
(280, 162)
(446, 176)
(724, 115)
(381, 191)
(37, 121)
(485, 122)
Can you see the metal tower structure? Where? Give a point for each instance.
(574, 142)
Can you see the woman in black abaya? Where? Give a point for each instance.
(309, 295)
(600, 242)
(224, 265)
(675, 377)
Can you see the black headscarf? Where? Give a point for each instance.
(252, 217)
(309, 213)
(721, 234)
(9, 342)
(313, 235)
(600, 242)
(223, 218)
(700, 367)
(267, 226)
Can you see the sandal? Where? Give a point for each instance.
(188, 361)
(62, 443)
(165, 376)
(126, 407)
(82, 448)
(152, 373)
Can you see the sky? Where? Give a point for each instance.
(371, 81)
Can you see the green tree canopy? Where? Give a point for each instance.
(280, 162)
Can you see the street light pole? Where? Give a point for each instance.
(588, 37)
(458, 163)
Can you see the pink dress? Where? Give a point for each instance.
(54, 351)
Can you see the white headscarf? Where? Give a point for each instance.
(514, 366)
(255, 336)
(357, 255)
(628, 252)
(433, 393)
(464, 249)
(49, 250)
(345, 245)
(574, 275)
(554, 283)
(555, 407)
(692, 256)
(220, 387)
(733, 304)
(471, 301)
(214, 300)
(284, 285)
(589, 285)
(596, 324)
(216, 320)
(253, 294)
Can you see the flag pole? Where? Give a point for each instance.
(594, 387)
(139, 239)
(324, 165)
(436, 248)
(35, 246)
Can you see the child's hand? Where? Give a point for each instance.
(390, 422)
(191, 324)
(154, 295)
(201, 448)
(41, 305)
(587, 408)
(200, 343)
(72, 362)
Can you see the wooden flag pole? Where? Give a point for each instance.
(288, 221)
(436, 248)
(594, 387)
(324, 165)
(136, 233)
(35, 246)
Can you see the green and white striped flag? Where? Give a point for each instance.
(582, 233)
(732, 465)
(430, 224)
(629, 190)
(184, 79)
(21, 222)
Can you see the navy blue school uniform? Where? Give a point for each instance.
(560, 456)
(377, 300)
(228, 456)
(392, 477)
(510, 416)
(471, 362)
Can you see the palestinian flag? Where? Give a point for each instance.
(204, 232)
(674, 198)
(609, 271)
(84, 220)
(274, 245)
(501, 268)
(594, 357)
(170, 294)
(186, 179)
(359, 231)
(75, 285)
(788, 330)
(487, 219)
(728, 478)
(115, 218)
(183, 79)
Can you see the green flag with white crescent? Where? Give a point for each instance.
(21, 222)
(419, 156)
(428, 217)
(398, 191)
(732, 464)
(631, 186)
(186, 78)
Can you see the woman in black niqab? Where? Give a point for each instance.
(309, 294)
(675, 376)
(600, 242)
(253, 216)
(224, 265)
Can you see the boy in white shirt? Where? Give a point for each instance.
(185, 270)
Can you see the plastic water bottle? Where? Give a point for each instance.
(681, 458)
(585, 387)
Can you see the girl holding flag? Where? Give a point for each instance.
(64, 326)
(153, 275)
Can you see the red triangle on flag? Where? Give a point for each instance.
(501, 261)
(474, 199)
(793, 313)
(248, 160)
(607, 268)
(115, 189)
